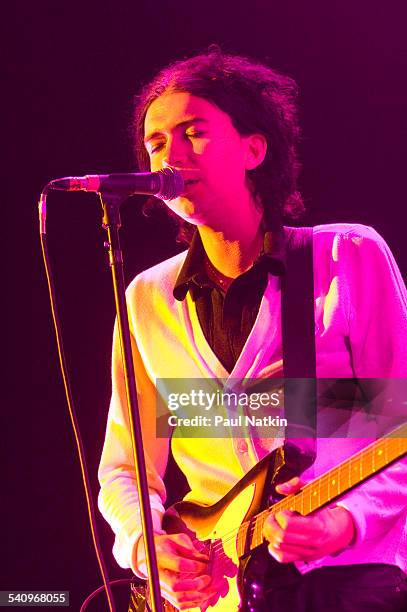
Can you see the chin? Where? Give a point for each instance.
(184, 208)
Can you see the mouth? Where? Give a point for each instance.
(189, 183)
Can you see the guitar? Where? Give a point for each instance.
(230, 531)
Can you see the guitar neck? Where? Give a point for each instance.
(330, 485)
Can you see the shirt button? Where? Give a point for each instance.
(242, 446)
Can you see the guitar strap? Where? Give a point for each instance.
(298, 335)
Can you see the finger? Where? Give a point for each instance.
(189, 599)
(290, 486)
(167, 589)
(184, 545)
(296, 539)
(170, 564)
(272, 531)
(182, 584)
(280, 556)
(181, 565)
(299, 550)
(286, 553)
(194, 596)
(287, 519)
(173, 555)
(282, 533)
(167, 546)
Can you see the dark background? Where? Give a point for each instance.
(71, 69)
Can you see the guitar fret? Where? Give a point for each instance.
(261, 526)
(253, 542)
(241, 538)
(386, 453)
(308, 507)
(329, 489)
(295, 504)
(355, 471)
(291, 504)
(315, 498)
(319, 492)
(305, 498)
(324, 493)
(332, 485)
(261, 518)
(343, 477)
(258, 531)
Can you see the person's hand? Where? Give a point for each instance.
(293, 537)
(182, 570)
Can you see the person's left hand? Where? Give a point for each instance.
(293, 537)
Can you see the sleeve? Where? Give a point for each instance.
(377, 307)
(377, 504)
(118, 497)
(378, 342)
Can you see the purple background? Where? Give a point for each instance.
(71, 69)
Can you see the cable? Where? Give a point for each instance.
(102, 588)
(72, 412)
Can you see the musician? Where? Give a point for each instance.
(230, 127)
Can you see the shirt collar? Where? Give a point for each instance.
(192, 274)
(193, 270)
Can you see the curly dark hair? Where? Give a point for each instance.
(258, 100)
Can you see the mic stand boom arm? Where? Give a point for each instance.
(111, 223)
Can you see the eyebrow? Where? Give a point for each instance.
(157, 134)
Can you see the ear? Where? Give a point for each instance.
(256, 149)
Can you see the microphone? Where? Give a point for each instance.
(165, 184)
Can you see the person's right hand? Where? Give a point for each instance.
(181, 569)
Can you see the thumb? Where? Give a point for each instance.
(291, 486)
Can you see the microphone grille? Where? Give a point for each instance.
(172, 184)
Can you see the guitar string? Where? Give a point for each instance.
(218, 546)
(305, 493)
(308, 488)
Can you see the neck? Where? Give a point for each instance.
(231, 256)
(233, 250)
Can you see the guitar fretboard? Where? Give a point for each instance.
(329, 486)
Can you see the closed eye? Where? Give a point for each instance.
(195, 134)
(159, 145)
(156, 147)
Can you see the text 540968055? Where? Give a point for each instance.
(34, 598)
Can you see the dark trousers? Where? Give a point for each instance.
(349, 588)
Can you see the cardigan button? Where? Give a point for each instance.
(242, 446)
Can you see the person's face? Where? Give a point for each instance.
(198, 139)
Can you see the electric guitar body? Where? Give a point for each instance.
(230, 531)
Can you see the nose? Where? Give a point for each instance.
(175, 154)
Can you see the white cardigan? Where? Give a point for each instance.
(361, 330)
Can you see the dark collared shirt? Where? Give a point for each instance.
(227, 317)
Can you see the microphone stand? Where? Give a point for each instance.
(111, 203)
